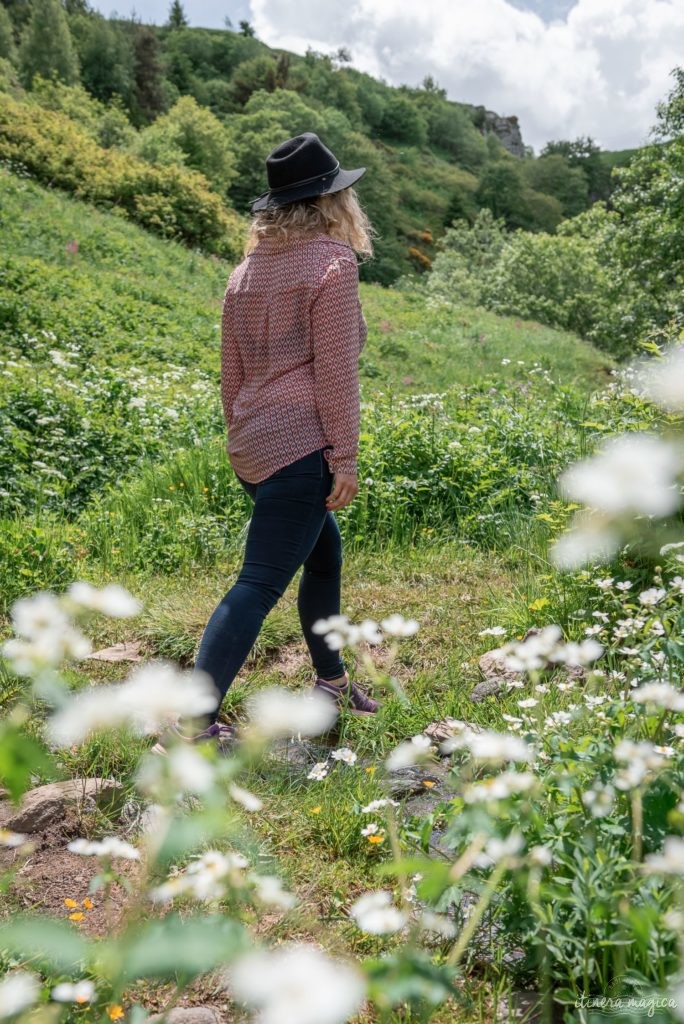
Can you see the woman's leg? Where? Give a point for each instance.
(318, 596)
(288, 514)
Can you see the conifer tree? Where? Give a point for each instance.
(46, 45)
(177, 18)
(7, 48)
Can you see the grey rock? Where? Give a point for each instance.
(404, 782)
(507, 131)
(496, 675)
(189, 1015)
(524, 1007)
(47, 805)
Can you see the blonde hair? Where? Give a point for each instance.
(338, 214)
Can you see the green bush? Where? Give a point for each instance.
(172, 201)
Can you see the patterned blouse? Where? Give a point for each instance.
(292, 330)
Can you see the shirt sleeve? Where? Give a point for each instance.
(338, 335)
(232, 373)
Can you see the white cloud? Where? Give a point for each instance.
(599, 71)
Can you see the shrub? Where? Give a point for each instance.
(172, 201)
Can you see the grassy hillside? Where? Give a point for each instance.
(128, 299)
(114, 469)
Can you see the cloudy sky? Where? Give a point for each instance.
(565, 67)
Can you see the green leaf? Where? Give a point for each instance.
(20, 758)
(176, 946)
(44, 942)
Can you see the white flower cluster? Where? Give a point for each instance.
(547, 648)
(276, 712)
(109, 848)
(321, 768)
(375, 913)
(156, 694)
(339, 632)
(641, 760)
(489, 747)
(45, 632)
(209, 876)
(296, 984)
(631, 475)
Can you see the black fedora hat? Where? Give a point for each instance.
(301, 167)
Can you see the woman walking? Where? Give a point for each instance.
(292, 331)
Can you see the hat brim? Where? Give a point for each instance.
(342, 179)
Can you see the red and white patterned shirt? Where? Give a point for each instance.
(292, 330)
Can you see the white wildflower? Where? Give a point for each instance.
(18, 991)
(242, 796)
(156, 693)
(500, 787)
(377, 805)
(78, 992)
(599, 799)
(269, 890)
(375, 913)
(319, 771)
(110, 847)
(439, 924)
(344, 754)
(185, 770)
(112, 599)
(632, 473)
(297, 984)
(276, 712)
(670, 861)
(661, 694)
(497, 850)
(397, 625)
(413, 751)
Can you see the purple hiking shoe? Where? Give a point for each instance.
(223, 736)
(348, 698)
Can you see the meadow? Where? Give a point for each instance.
(113, 470)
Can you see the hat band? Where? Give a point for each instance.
(306, 181)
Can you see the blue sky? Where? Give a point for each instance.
(564, 67)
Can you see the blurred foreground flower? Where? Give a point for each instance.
(375, 913)
(297, 984)
(18, 991)
(154, 696)
(635, 474)
(276, 712)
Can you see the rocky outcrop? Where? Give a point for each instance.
(506, 129)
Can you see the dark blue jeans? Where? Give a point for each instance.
(290, 527)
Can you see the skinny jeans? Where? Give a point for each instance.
(290, 528)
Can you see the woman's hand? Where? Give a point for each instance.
(345, 489)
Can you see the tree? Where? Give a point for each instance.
(584, 153)
(46, 45)
(191, 135)
(177, 18)
(246, 29)
(105, 57)
(7, 48)
(430, 86)
(553, 175)
(149, 91)
(501, 190)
